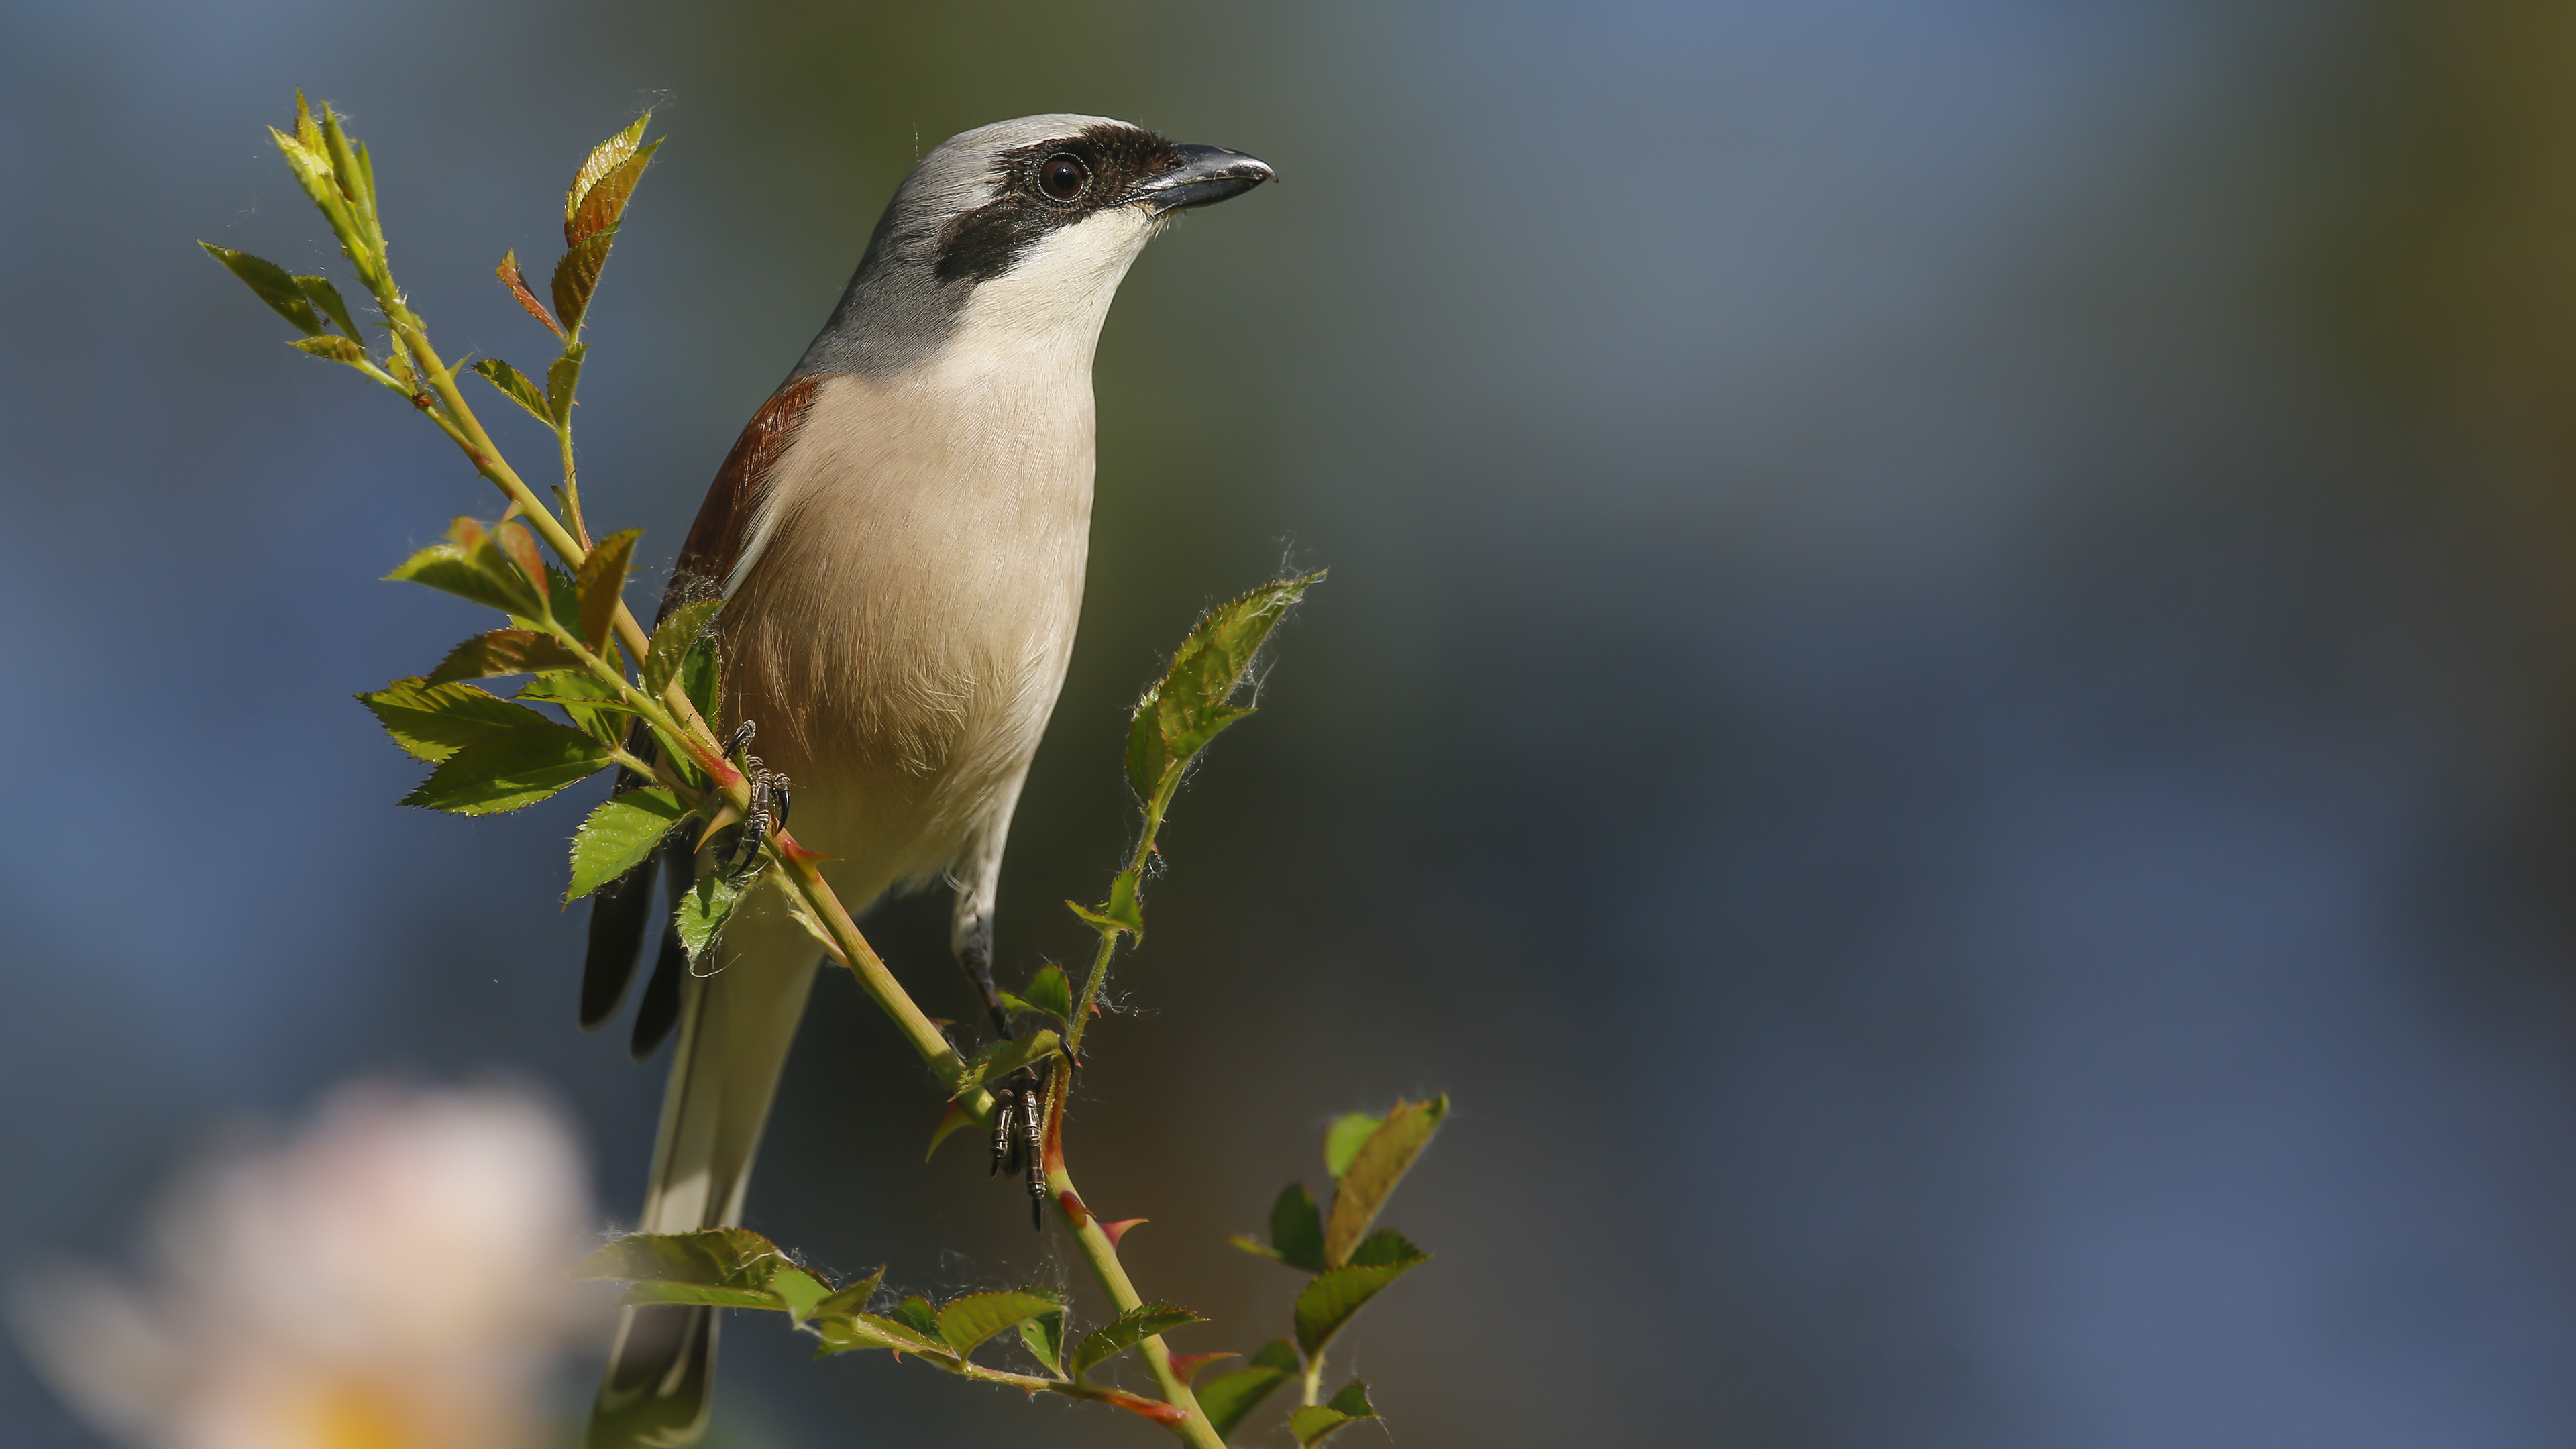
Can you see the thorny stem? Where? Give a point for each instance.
(1092, 983)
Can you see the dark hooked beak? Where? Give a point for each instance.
(1206, 176)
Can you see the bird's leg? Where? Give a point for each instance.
(769, 801)
(975, 957)
(1033, 1136)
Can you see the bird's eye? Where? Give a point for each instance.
(1063, 177)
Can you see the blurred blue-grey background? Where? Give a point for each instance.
(1945, 703)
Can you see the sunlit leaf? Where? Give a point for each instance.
(704, 908)
(563, 379)
(1328, 1301)
(1343, 1140)
(656, 1292)
(520, 547)
(1374, 1171)
(510, 769)
(1189, 705)
(605, 157)
(1049, 992)
(1125, 1332)
(605, 202)
(601, 585)
(798, 1291)
(577, 276)
(517, 281)
(331, 347)
(1312, 1423)
(848, 1332)
(504, 651)
(434, 721)
(712, 1258)
(618, 836)
(853, 1299)
(1230, 1399)
(593, 704)
(1297, 1229)
(270, 283)
(968, 1321)
(701, 677)
(515, 386)
(326, 298)
(672, 640)
(467, 565)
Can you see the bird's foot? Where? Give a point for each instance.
(769, 802)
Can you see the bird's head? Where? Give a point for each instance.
(1018, 234)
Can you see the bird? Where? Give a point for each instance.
(899, 536)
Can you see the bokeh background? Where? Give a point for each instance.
(1945, 703)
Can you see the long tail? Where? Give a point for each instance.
(736, 1025)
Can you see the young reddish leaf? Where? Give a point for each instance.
(270, 283)
(515, 386)
(520, 547)
(605, 157)
(1117, 1230)
(1375, 1170)
(577, 276)
(517, 281)
(605, 203)
(601, 585)
(503, 651)
(618, 836)
(1186, 1366)
(1229, 1400)
(434, 721)
(510, 769)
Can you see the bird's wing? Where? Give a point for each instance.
(621, 913)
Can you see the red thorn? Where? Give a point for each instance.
(1187, 1365)
(788, 847)
(1073, 1208)
(1160, 1413)
(1119, 1229)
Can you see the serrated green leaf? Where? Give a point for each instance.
(1312, 1423)
(1297, 1229)
(798, 1291)
(504, 651)
(712, 1258)
(856, 1331)
(966, 1322)
(1050, 993)
(672, 640)
(270, 283)
(605, 157)
(1044, 1335)
(469, 566)
(592, 703)
(1229, 1400)
(917, 1314)
(1005, 1057)
(653, 1292)
(1125, 1332)
(1329, 1300)
(1095, 919)
(605, 203)
(331, 348)
(510, 769)
(1146, 757)
(515, 386)
(702, 677)
(1385, 1246)
(853, 1299)
(1375, 1169)
(577, 276)
(563, 381)
(1124, 905)
(703, 911)
(434, 721)
(1190, 704)
(601, 585)
(326, 299)
(1343, 1140)
(618, 836)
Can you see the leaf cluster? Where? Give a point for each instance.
(1348, 1263)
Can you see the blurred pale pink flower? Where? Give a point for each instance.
(391, 1278)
